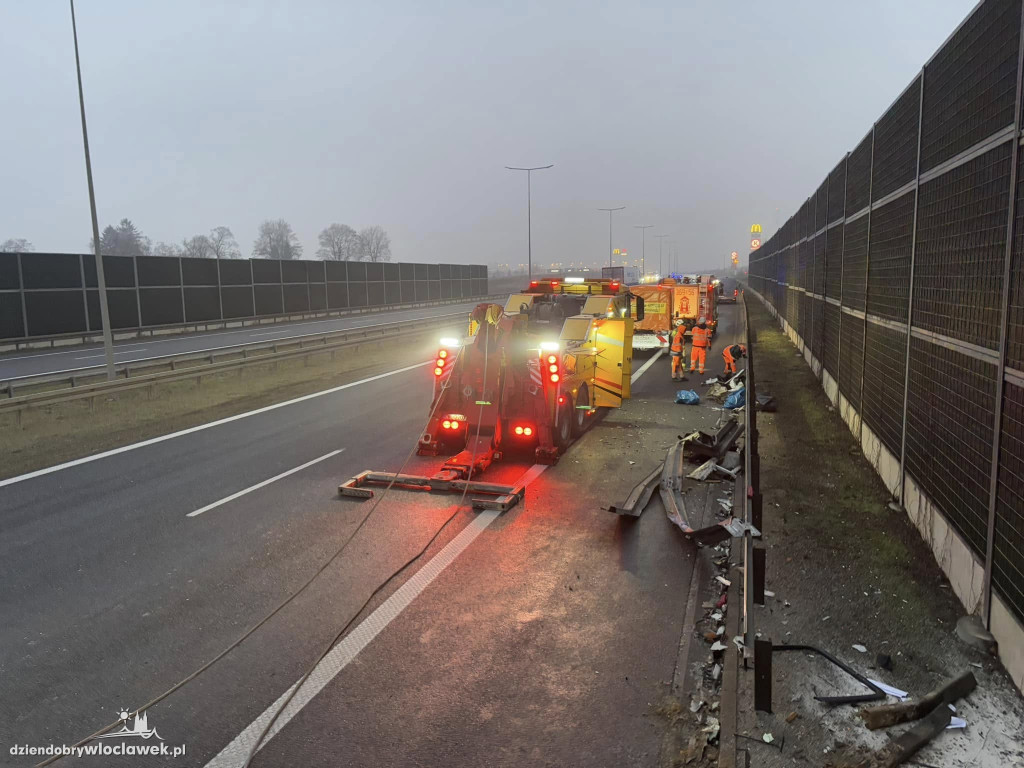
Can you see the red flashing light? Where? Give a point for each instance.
(439, 362)
(554, 378)
(554, 283)
(527, 431)
(615, 285)
(561, 399)
(533, 283)
(553, 368)
(519, 430)
(446, 424)
(552, 359)
(442, 353)
(438, 371)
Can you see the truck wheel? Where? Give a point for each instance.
(579, 415)
(563, 432)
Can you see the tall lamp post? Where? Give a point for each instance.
(643, 248)
(661, 242)
(529, 214)
(101, 282)
(610, 212)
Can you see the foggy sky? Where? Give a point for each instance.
(700, 117)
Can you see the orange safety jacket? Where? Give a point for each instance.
(700, 337)
(678, 335)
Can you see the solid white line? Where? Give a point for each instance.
(235, 753)
(252, 488)
(645, 366)
(200, 427)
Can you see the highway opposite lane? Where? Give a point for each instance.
(82, 357)
(549, 638)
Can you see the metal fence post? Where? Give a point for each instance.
(867, 274)
(910, 298)
(21, 294)
(997, 426)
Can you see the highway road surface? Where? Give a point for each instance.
(545, 636)
(81, 357)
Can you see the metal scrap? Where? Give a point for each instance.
(641, 494)
(716, 445)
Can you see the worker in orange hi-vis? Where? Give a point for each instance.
(731, 354)
(676, 351)
(700, 344)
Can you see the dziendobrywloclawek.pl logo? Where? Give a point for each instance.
(135, 736)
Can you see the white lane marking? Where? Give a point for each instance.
(116, 352)
(204, 350)
(645, 366)
(208, 425)
(235, 753)
(256, 487)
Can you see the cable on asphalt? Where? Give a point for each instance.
(458, 508)
(280, 606)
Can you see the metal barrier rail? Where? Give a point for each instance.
(753, 558)
(203, 363)
(55, 340)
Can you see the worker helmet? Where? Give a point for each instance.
(702, 322)
(678, 322)
(743, 349)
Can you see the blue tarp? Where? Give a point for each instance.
(737, 399)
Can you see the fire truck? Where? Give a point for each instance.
(670, 302)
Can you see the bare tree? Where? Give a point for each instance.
(376, 244)
(123, 240)
(16, 245)
(197, 247)
(277, 240)
(223, 244)
(339, 242)
(166, 249)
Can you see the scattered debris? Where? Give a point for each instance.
(909, 742)
(712, 728)
(718, 646)
(695, 751)
(859, 647)
(791, 717)
(769, 593)
(723, 581)
(710, 637)
(766, 403)
(695, 705)
(767, 738)
(716, 672)
(716, 445)
(885, 715)
(704, 471)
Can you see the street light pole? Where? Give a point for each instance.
(529, 214)
(643, 248)
(661, 242)
(610, 212)
(101, 282)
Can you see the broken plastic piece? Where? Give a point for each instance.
(859, 647)
(767, 738)
(892, 691)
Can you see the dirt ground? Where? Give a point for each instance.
(847, 570)
(64, 431)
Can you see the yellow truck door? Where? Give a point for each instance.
(613, 340)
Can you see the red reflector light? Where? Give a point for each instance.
(561, 399)
(443, 353)
(554, 378)
(446, 424)
(438, 371)
(552, 359)
(519, 430)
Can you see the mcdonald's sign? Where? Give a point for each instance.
(755, 229)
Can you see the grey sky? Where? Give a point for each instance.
(700, 117)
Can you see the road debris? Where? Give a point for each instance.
(640, 496)
(723, 581)
(896, 693)
(767, 738)
(860, 648)
(687, 397)
(886, 715)
(791, 717)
